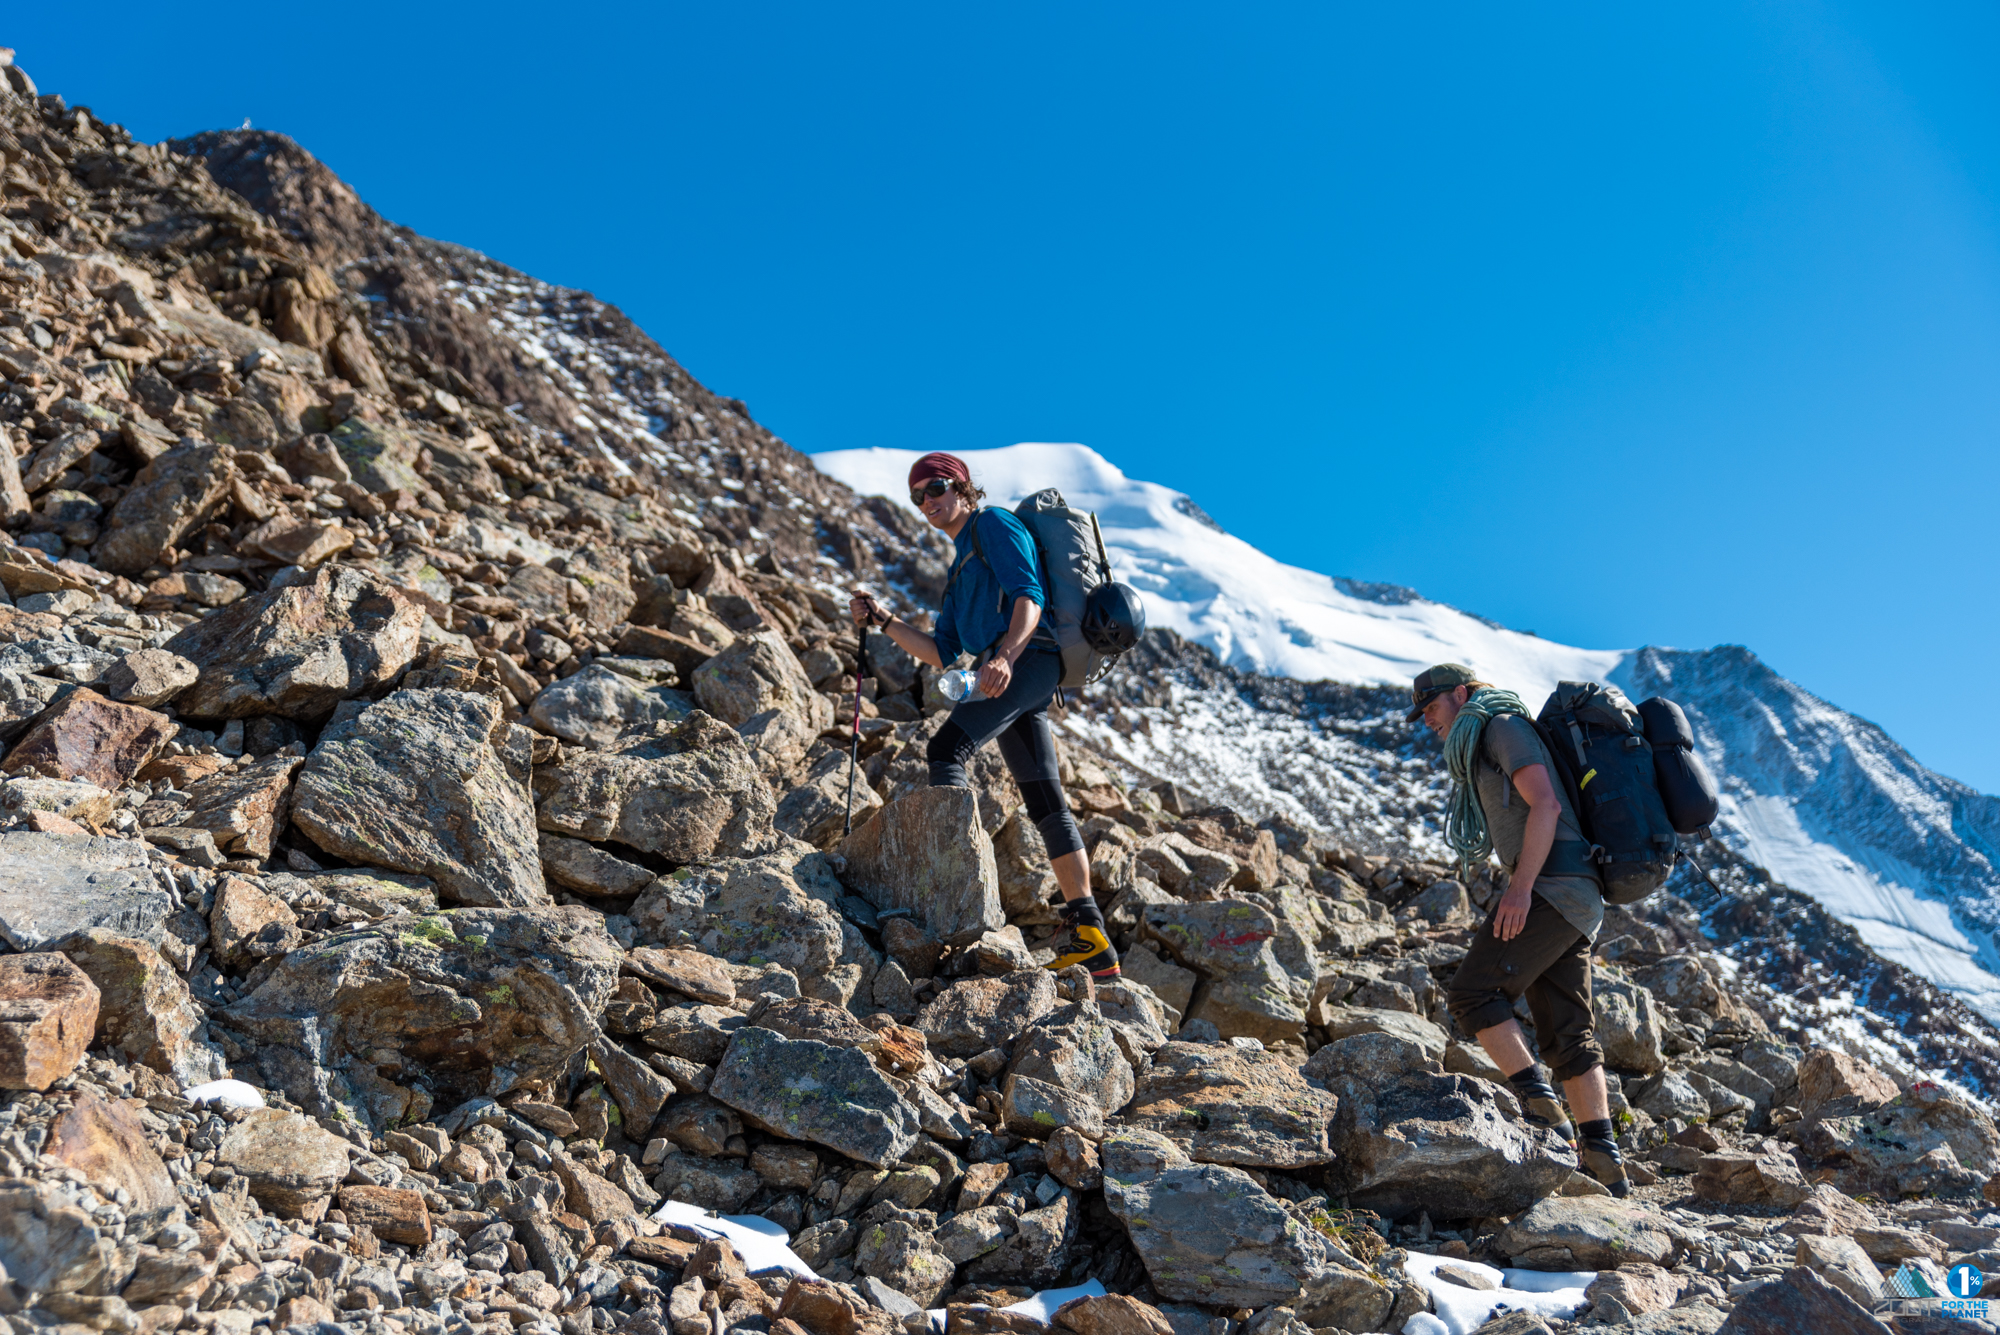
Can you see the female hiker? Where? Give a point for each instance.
(993, 603)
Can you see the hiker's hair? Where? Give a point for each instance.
(1473, 688)
(971, 491)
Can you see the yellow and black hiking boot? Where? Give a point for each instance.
(1088, 944)
(1598, 1155)
(1540, 1104)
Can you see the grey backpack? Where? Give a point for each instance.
(1074, 563)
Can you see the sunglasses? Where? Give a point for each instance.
(930, 491)
(1423, 701)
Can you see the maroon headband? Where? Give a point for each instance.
(939, 464)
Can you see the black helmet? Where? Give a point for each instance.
(1113, 617)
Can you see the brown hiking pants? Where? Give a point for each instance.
(1549, 963)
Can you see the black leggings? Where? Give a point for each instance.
(1020, 719)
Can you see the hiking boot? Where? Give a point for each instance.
(1541, 1105)
(1600, 1159)
(1088, 944)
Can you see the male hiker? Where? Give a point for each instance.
(993, 603)
(1536, 943)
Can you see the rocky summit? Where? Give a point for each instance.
(427, 853)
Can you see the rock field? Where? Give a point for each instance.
(425, 712)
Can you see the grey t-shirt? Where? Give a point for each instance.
(1510, 742)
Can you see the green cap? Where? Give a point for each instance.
(1431, 681)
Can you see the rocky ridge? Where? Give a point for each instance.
(422, 856)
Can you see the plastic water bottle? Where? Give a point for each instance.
(962, 684)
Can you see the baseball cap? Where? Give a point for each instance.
(1431, 681)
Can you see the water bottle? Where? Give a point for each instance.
(962, 684)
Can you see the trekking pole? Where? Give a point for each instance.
(854, 746)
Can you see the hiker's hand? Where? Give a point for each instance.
(1512, 915)
(995, 677)
(863, 607)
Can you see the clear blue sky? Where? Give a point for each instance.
(1619, 324)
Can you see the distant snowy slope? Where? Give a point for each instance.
(1256, 613)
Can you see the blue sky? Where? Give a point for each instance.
(1678, 326)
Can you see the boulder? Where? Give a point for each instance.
(980, 1014)
(1073, 1048)
(1036, 1109)
(1766, 1177)
(1928, 1140)
(105, 1143)
(55, 885)
(1669, 1095)
(817, 810)
(1828, 1210)
(387, 1019)
(1021, 861)
(299, 650)
(1842, 1263)
(688, 791)
(89, 738)
(1037, 1253)
(806, 1090)
(757, 673)
(1832, 1084)
(48, 1012)
(905, 1258)
(1736, 1077)
(690, 972)
(1626, 1021)
(1208, 1233)
(418, 783)
(1234, 1106)
(1588, 1233)
(927, 852)
(1633, 1289)
(47, 1244)
(291, 1165)
(592, 707)
(1349, 1021)
(721, 1185)
(249, 924)
(390, 1214)
(1235, 945)
(168, 498)
(778, 909)
(575, 864)
(1799, 1300)
(1112, 1314)
(1408, 1137)
(244, 806)
(144, 1010)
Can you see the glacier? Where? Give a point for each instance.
(1825, 801)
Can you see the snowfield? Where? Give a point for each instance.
(1825, 801)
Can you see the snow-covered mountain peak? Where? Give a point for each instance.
(1256, 613)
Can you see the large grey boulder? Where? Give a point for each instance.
(978, 1014)
(927, 852)
(1230, 1105)
(166, 500)
(1626, 1020)
(820, 806)
(1259, 978)
(1589, 1233)
(803, 1089)
(301, 649)
(417, 783)
(1929, 1140)
(54, 885)
(592, 707)
(688, 791)
(1409, 1137)
(388, 1020)
(756, 673)
(1209, 1234)
(1074, 1048)
(777, 909)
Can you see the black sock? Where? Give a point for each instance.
(1531, 1083)
(1600, 1129)
(1083, 912)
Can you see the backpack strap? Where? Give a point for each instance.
(979, 550)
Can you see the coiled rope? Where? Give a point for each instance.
(1465, 820)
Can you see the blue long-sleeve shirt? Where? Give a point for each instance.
(979, 597)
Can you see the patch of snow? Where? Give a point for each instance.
(1460, 1311)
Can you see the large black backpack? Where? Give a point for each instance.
(1632, 778)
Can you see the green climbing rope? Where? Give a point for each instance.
(1465, 820)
